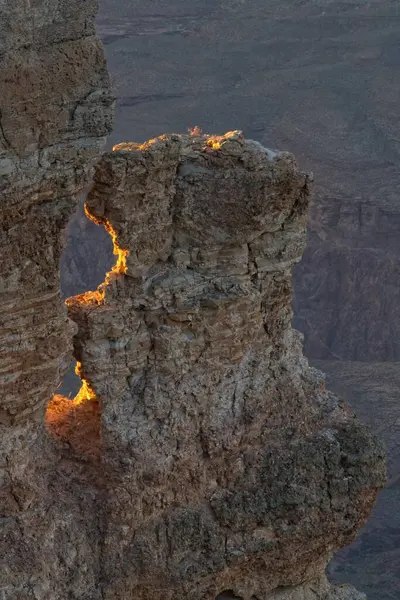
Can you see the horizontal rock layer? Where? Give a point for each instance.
(346, 286)
(55, 112)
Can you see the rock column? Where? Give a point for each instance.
(230, 468)
(55, 112)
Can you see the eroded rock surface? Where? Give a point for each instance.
(55, 111)
(318, 77)
(227, 465)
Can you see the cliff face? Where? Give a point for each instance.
(228, 465)
(55, 111)
(346, 286)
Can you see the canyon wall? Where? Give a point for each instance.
(346, 286)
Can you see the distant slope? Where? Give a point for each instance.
(372, 563)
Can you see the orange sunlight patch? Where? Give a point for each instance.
(76, 425)
(86, 392)
(215, 141)
(122, 255)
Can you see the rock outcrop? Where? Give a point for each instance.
(228, 467)
(55, 113)
(292, 74)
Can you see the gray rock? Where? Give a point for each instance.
(230, 466)
(55, 111)
(202, 456)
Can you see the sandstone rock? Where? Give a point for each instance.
(55, 112)
(227, 465)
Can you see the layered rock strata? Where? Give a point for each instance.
(55, 111)
(346, 287)
(228, 469)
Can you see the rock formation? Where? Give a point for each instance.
(229, 468)
(203, 458)
(55, 112)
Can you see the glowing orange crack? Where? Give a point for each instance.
(97, 297)
(86, 392)
(122, 255)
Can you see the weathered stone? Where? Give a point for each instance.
(228, 465)
(55, 111)
(202, 458)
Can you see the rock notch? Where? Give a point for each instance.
(229, 470)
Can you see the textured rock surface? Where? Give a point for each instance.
(203, 456)
(55, 111)
(228, 465)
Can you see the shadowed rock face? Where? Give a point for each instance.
(55, 111)
(345, 288)
(229, 468)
